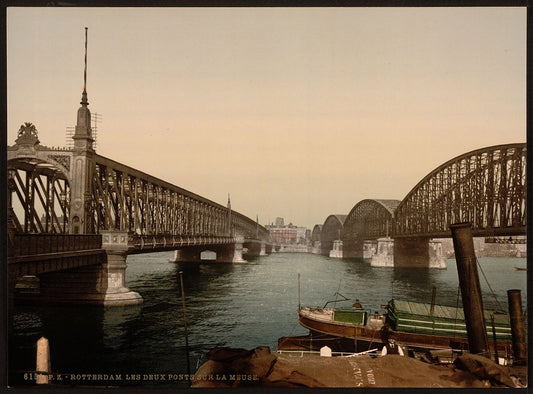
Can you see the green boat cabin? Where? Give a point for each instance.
(352, 315)
(418, 318)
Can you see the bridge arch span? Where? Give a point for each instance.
(486, 187)
(315, 238)
(369, 219)
(315, 234)
(331, 230)
(38, 194)
(41, 163)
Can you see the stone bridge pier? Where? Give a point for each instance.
(419, 252)
(97, 284)
(381, 253)
(359, 249)
(225, 253)
(255, 248)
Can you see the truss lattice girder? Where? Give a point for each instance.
(332, 229)
(126, 199)
(122, 198)
(42, 194)
(370, 220)
(486, 187)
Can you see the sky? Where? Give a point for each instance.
(297, 113)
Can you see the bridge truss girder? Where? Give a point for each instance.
(369, 220)
(125, 199)
(332, 230)
(38, 197)
(486, 187)
(316, 233)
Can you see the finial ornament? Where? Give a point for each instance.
(84, 94)
(27, 135)
(83, 132)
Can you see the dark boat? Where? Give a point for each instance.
(414, 325)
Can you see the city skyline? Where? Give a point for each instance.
(296, 113)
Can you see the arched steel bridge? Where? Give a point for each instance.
(368, 220)
(486, 187)
(331, 230)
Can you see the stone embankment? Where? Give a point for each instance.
(227, 367)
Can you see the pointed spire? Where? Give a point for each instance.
(229, 220)
(83, 133)
(84, 93)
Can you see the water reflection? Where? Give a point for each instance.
(244, 305)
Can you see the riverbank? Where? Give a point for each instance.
(226, 367)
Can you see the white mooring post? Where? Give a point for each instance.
(43, 362)
(325, 351)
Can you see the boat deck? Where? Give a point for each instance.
(326, 315)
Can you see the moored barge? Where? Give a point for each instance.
(412, 324)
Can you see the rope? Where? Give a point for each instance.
(371, 340)
(490, 288)
(337, 292)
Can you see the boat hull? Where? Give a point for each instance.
(364, 338)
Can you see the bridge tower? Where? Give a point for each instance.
(108, 279)
(230, 227)
(83, 161)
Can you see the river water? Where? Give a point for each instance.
(242, 306)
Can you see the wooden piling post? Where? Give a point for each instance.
(299, 305)
(493, 324)
(518, 330)
(185, 323)
(465, 258)
(43, 367)
(433, 296)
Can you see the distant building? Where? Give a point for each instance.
(287, 234)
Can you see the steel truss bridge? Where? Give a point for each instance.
(76, 192)
(486, 187)
(69, 209)
(155, 213)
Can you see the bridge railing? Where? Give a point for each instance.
(33, 244)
